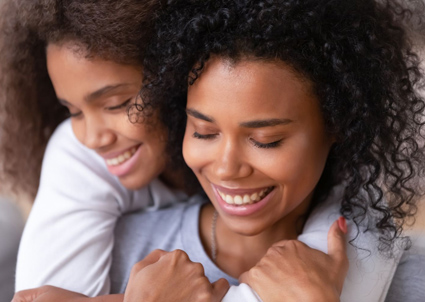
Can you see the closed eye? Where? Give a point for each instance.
(204, 136)
(76, 114)
(123, 105)
(274, 144)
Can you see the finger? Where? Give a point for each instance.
(220, 288)
(337, 248)
(152, 258)
(244, 277)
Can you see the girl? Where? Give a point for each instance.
(98, 164)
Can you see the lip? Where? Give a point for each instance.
(241, 210)
(238, 191)
(125, 167)
(117, 153)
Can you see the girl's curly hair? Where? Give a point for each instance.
(363, 70)
(29, 111)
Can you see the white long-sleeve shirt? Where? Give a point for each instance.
(68, 238)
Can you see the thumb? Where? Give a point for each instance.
(337, 250)
(220, 288)
(336, 240)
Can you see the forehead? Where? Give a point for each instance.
(253, 88)
(72, 72)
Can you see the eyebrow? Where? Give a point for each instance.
(198, 115)
(98, 93)
(266, 123)
(249, 124)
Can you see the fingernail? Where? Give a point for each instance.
(342, 224)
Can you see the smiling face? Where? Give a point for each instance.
(97, 94)
(256, 140)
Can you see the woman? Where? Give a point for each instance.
(286, 100)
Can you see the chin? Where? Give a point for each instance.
(133, 184)
(245, 230)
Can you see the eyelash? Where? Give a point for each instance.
(268, 145)
(256, 144)
(73, 115)
(120, 106)
(203, 136)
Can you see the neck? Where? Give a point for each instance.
(237, 253)
(173, 179)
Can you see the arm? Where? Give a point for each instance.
(68, 239)
(161, 276)
(53, 294)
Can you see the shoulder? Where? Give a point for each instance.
(161, 220)
(64, 149)
(409, 278)
(75, 174)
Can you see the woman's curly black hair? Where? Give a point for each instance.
(364, 73)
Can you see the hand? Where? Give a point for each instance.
(171, 276)
(292, 271)
(48, 294)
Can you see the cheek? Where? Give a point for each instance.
(78, 128)
(301, 161)
(190, 153)
(196, 153)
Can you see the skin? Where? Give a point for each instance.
(291, 271)
(97, 94)
(262, 128)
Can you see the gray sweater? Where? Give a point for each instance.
(140, 233)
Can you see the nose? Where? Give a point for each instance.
(230, 162)
(96, 133)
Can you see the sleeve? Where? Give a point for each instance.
(408, 284)
(68, 238)
(242, 292)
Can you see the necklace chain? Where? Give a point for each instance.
(213, 236)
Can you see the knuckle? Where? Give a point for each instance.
(179, 254)
(255, 273)
(136, 268)
(198, 268)
(275, 251)
(204, 296)
(294, 244)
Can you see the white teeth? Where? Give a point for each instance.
(245, 199)
(229, 199)
(237, 199)
(121, 158)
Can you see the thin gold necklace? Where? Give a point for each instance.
(213, 237)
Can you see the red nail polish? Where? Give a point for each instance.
(342, 223)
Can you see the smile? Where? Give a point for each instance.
(123, 157)
(244, 199)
